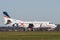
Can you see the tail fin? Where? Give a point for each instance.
(7, 18)
(6, 14)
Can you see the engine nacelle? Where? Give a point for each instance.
(15, 25)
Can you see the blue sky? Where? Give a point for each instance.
(31, 10)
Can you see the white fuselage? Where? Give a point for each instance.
(37, 24)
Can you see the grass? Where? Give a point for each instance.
(29, 35)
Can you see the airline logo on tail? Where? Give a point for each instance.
(6, 15)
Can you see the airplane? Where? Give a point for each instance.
(27, 24)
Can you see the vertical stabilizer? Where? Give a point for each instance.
(6, 14)
(7, 18)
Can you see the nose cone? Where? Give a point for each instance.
(54, 26)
